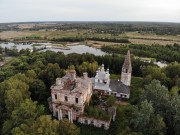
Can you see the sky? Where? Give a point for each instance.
(89, 10)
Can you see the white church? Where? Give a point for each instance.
(119, 87)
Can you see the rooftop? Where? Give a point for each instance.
(118, 86)
(68, 84)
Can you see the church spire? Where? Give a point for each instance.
(127, 63)
(126, 70)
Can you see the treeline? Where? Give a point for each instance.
(68, 39)
(32, 37)
(113, 28)
(85, 62)
(116, 40)
(13, 51)
(81, 39)
(169, 53)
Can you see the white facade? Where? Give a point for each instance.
(102, 79)
(126, 78)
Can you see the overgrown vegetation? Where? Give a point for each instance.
(25, 83)
(167, 53)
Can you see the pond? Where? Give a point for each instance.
(73, 49)
(18, 46)
(80, 49)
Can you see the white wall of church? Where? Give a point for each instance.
(126, 78)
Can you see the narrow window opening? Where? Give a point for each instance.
(76, 100)
(55, 96)
(66, 98)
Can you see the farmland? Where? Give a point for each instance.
(135, 33)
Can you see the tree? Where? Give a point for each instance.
(175, 91)
(51, 72)
(88, 67)
(153, 72)
(38, 90)
(67, 128)
(144, 120)
(25, 113)
(44, 125)
(164, 105)
(15, 92)
(31, 74)
(172, 70)
(158, 95)
(13, 98)
(173, 116)
(83, 68)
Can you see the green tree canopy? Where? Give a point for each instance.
(44, 125)
(144, 120)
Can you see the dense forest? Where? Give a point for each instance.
(168, 53)
(154, 106)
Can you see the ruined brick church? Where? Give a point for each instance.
(70, 94)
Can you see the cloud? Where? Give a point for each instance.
(89, 10)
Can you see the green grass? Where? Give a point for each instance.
(37, 45)
(91, 130)
(114, 76)
(60, 44)
(136, 81)
(136, 90)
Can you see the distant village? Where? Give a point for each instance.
(71, 95)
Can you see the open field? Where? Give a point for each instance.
(134, 37)
(98, 44)
(150, 42)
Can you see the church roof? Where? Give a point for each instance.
(119, 87)
(77, 86)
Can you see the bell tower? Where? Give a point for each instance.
(126, 70)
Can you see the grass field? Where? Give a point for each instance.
(134, 37)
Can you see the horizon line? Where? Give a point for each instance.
(91, 21)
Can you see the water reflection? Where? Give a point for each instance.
(79, 49)
(73, 49)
